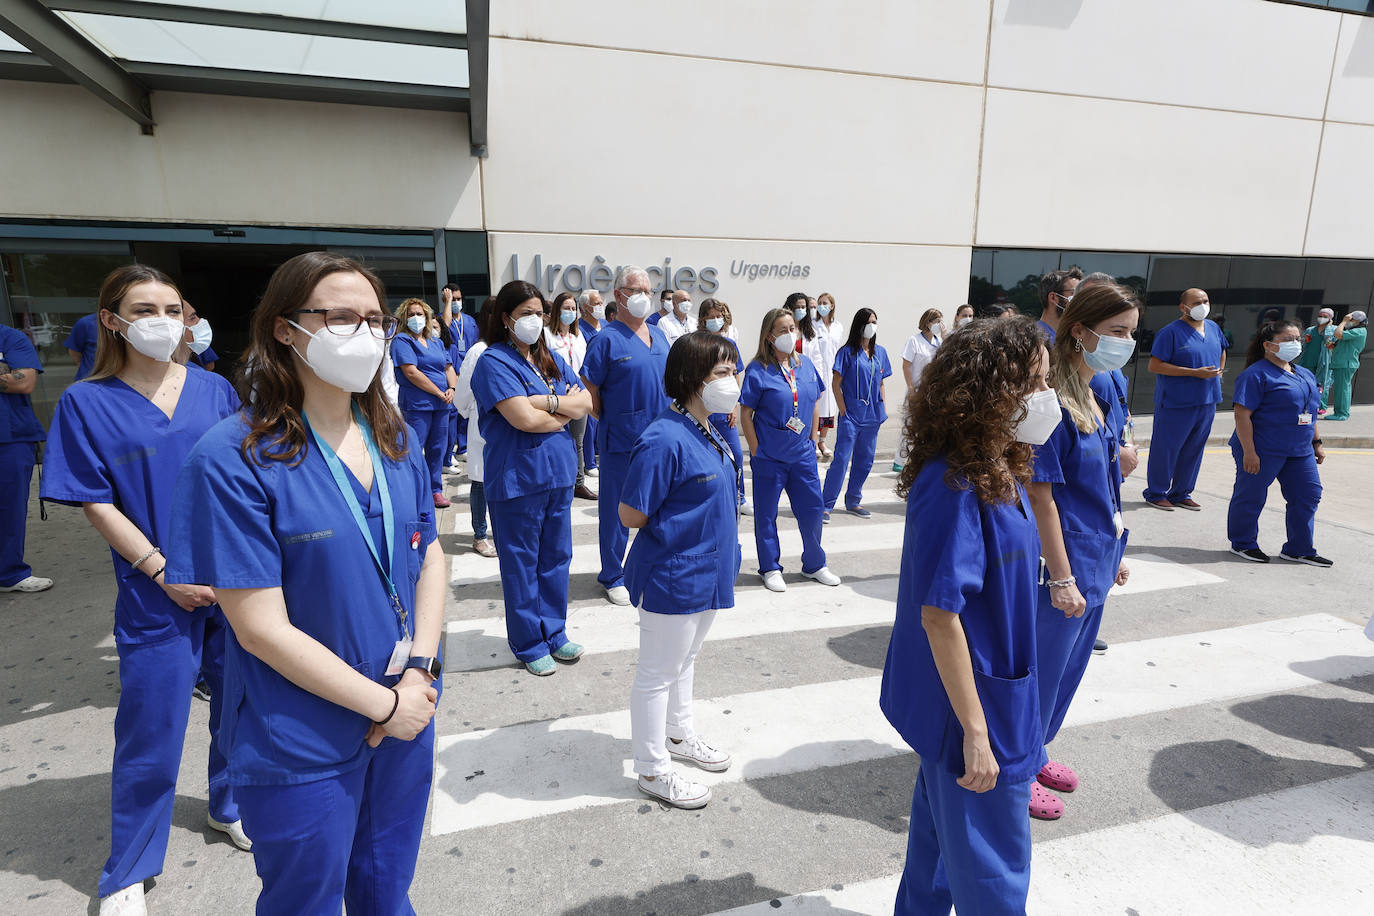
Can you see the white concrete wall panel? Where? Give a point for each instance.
(1343, 203)
(591, 140)
(927, 39)
(1139, 177)
(1240, 55)
(220, 159)
(1352, 80)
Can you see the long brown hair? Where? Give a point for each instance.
(1089, 308)
(967, 407)
(268, 384)
(515, 293)
(767, 354)
(112, 350)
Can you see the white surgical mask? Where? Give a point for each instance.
(599, 312)
(823, 309)
(1042, 417)
(1111, 353)
(798, 314)
(639, 305)
(155, 338)
(201, 334)
(568, 316)
(962, 322)
(1289, 350)
(1323, 319)
(785, 343)
(348, 362)
(528, 329)
(870, 330)
(715, 324)
(416, 324)
(720, 395)
(1199, 312)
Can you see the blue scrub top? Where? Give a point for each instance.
(278, 525)
(17, 420)
(980, 561)
(588, 331)
(463, 329)
(516, 463)
(1113, 393)
(1275, 399)
(861, 383)
(1047, 331)
(109, 444)
(209, 356)
(83, 339)
(1179, 344)
(431, 358)
(655, 318)
(1084, 472)
(766, 392)
(687, 558)
(629, 378)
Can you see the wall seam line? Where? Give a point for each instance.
(1321, 137)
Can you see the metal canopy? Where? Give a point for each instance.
(424, 54)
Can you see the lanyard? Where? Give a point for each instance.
(869, 367)
(791, 375)
(548, 382)
(336, 468)
(724, 452)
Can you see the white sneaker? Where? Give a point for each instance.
(592, 472)
(772, 580)
(675, 790)
(126, 902)
(618, 595)
(824, 576)
(694, 750)
(746, 508)
(234, 831)
(31, 584)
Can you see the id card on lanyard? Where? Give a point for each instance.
(401, 652)
(794, 423)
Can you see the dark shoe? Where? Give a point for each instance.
(1311, 560)
(1161, 504)
(825, 517)
(1188, 504)
(1254, 555)
(1099, 646)
(201, 691)
(583, 493)
(860, 511)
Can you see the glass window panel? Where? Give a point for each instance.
(1340, 285)
(1354, 6)
(9, 44)
(433, 15)
(188, 44)
(1016, 277)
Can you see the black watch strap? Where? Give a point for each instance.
(426, 663)
(1316, 442)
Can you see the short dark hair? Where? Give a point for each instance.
(691, 361)
(452, 287)
(1053, 282)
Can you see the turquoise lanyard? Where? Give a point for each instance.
(336, 468)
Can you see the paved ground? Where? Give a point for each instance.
(1226, 740)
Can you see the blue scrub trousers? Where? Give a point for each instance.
(1063, 646)
(966, 849)
(348, 840)
(731, 436)
(1177, 440)
(16, 476)
(1301, 487)
(802, 484)
(431, 434)
(536, 548)
(860, 443)
(155, 682)
(589, 444)
(613, 536)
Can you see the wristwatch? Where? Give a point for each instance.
(428, 664)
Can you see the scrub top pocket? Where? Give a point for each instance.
(1094, 557)
(308, 731)
(693, 577)
(623, 430)
(1012, 709)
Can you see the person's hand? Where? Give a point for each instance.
(447, 395)
(1207, 372)
(414, 710)
(1319, 452)
(1069, 600)
(980, 766)
(446, 295)
(188, 597)
(734, 417)
(1123, 574)
(1250, 462)
(1130, 460)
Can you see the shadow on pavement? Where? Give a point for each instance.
(882, 797)
(867, 647)
(685, 897)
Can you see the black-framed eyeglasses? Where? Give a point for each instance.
(345, 322)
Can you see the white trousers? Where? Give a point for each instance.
(661, 698)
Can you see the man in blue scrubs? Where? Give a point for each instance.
(591, 323)
(1187, 358)
(463, 328)
(80, 343)
(624, 373)
(20, 433)
(665, 305)
(1056, 289)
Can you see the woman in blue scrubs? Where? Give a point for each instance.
(118, 440)
(427, 383)
(727, 424)
(779, 414)
(623, 371)
(1076, 496)
(526, 397)
(1276, 438)
(860, 367)
(681, 569)
(20, 433)
(959, 683)
(323, 554)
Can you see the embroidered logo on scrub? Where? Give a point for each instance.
(311, 536)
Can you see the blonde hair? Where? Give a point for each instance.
(1089, 309)
(767, 354)
(404, 308)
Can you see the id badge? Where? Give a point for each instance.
(1304, 419)
(399, 656)
(796, 425)
(1119, 523)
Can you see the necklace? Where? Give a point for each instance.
(157, 386)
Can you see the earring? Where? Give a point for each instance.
(1077, 345)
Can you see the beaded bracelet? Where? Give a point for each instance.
(1061, 583)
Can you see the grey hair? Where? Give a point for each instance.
(623, 275)
(584, 297)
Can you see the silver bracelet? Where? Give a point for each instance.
(1061, 583)
(143, 559)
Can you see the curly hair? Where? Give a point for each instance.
(968, 404)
